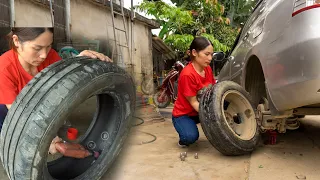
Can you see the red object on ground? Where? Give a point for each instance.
(72, 133)
(272, 137)
(72, 150)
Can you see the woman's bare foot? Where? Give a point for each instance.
(52, 148)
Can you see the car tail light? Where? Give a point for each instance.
(304, 5)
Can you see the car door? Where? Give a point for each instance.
(250, 31)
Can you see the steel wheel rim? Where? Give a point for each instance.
(238, 115)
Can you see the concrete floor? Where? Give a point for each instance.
(296, 156)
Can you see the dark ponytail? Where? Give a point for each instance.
(199, 43)
(26, 34)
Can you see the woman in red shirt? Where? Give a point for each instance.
(30, 53)
(195, 76)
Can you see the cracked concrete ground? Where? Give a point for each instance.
(296, 156)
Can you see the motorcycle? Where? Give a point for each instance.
(168, 90)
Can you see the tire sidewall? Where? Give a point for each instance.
(95, 86)
(217, 126)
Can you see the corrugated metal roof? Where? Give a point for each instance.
(162, 48)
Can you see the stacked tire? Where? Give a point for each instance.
(46, 101)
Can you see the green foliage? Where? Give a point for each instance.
(191, 18)
(225, 34)
(172, 19)
(216, 43)
(238, 11)
(181, 42)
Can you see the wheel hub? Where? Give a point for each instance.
(239, 115)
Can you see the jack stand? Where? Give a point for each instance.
(272, 137)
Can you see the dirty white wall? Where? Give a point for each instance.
(90, 21)
(118, 1)
(143, 48)
(29, 14)
(96, 23)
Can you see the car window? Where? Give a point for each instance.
(257, 5)
(252, 18)
(247, 25)
(235, 43)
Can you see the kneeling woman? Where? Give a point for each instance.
(30, 53)
(195, 76)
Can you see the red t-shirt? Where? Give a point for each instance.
(189, 83)
(13, 77)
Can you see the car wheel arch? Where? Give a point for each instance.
(253, 79)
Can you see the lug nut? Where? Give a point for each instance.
(196, 156)
(182, 158)
(181, 154)
(185, 154)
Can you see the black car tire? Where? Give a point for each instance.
(215, 124)
(42, 106)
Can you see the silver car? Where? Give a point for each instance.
(276, 58)
(270, 79)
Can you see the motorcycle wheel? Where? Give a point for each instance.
(161, 104)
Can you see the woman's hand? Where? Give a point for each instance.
(95, 55)
(52, 148)
(8, 106)
(202, 91)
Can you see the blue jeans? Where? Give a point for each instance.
(3, 114)
(186, 126)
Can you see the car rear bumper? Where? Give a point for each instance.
(295, 78)
(297, 95)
